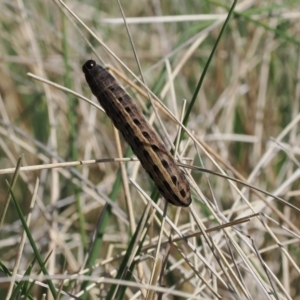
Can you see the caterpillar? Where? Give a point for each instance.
(145, 143)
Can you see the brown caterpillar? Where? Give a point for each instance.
(145, 143)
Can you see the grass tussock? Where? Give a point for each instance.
(80, 218)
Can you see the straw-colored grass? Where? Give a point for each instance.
(79, 217)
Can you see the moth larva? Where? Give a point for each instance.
(145, 143)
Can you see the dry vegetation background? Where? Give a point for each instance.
(88, 227)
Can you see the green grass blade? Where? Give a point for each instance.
(24, 285)
(32, 243)
(194, 98)
(125, 270)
